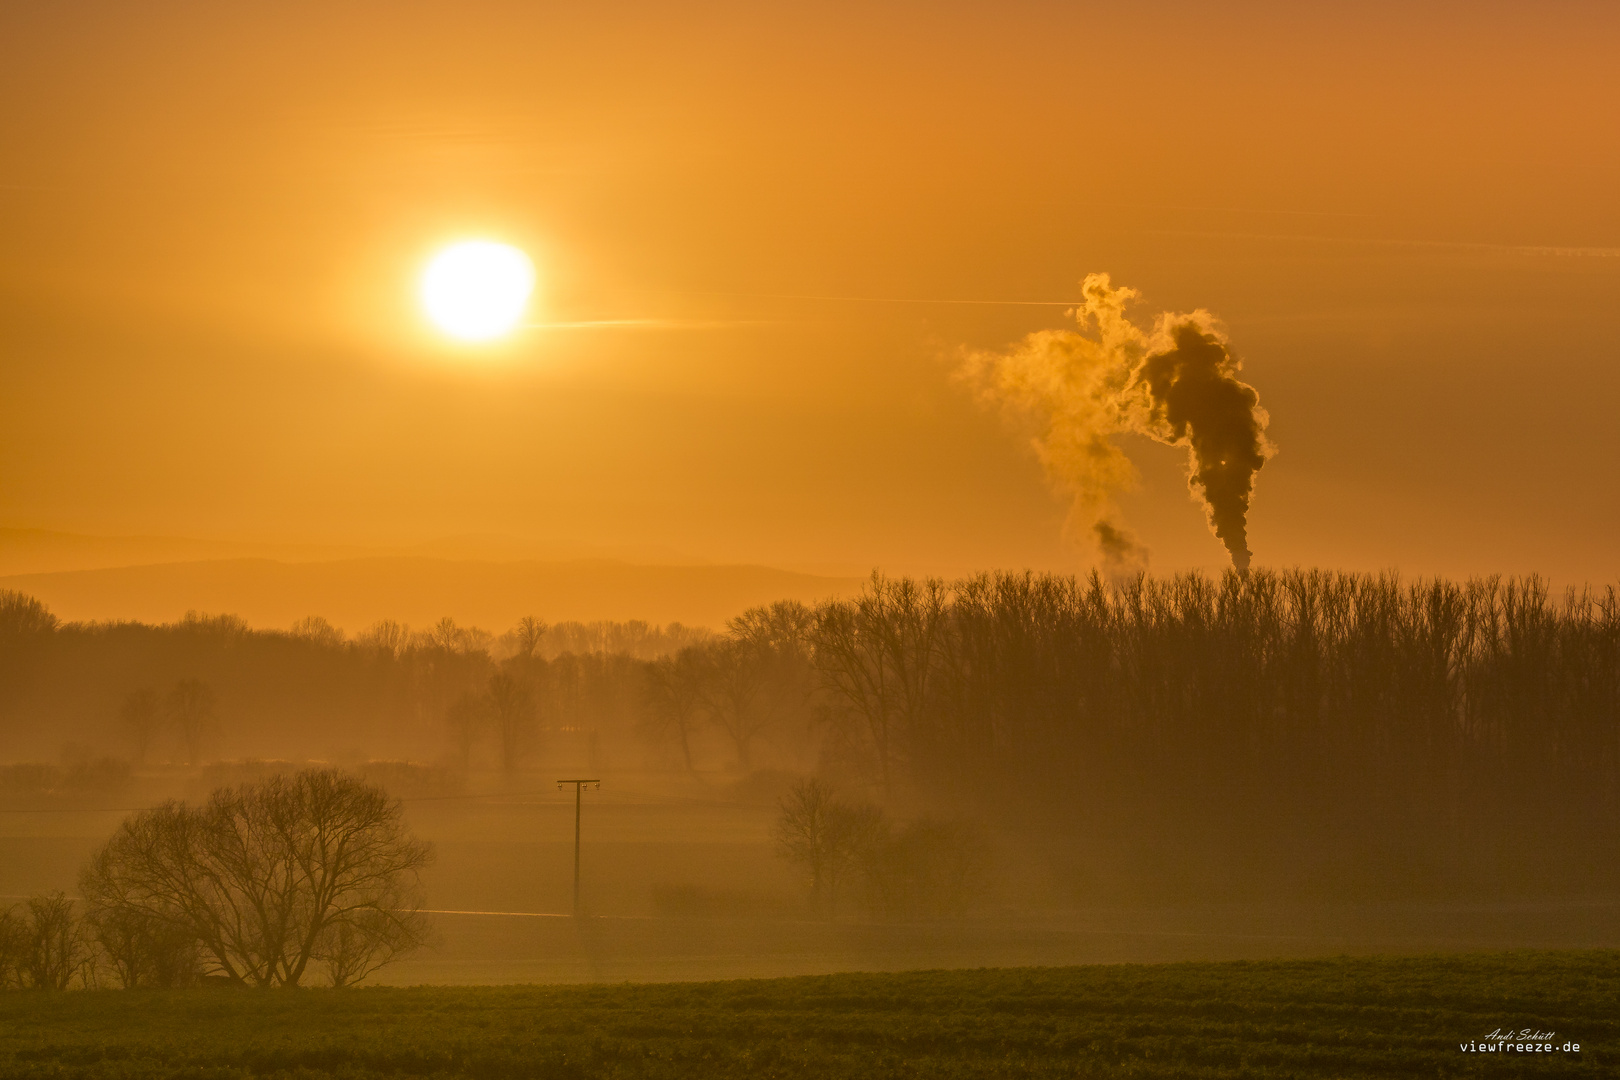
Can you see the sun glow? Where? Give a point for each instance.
(477, 290)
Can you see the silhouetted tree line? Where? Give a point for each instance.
(210, 686)
(1305, 731)
(1301, 731)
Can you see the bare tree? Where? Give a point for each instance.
(511, 708)
(529, 634)
(879, 657)
(13, 948)
(268, 878)
(21, 616)
(27, 629)
(779, 638)
(446, 635)
(675, 699)
(191, 710)
(449, 637)
(732, 687)
(353, 948)
(466, 719)
(827, 836)
(317, 630)
(786, 626)
(386, 636)
(144, 951)
(55, 945)
(142, 717)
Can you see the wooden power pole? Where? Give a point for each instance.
(579, 785)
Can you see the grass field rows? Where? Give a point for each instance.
(1339, 1018)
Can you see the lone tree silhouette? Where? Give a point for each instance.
(674, 699)
(191, 707)
(142, 717)
(466, 719)
(268, 879)
(826, 836)
(511, 708)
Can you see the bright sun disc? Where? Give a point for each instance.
(477, 290)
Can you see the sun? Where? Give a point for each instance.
(477, 290)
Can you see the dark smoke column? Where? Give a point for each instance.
(1195, 399)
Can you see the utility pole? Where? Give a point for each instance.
(579, 785)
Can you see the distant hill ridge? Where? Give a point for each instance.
(355, 592)
(47, 551)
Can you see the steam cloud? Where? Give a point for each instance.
(1177, 384)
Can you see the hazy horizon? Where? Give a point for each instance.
(755, 284)
(489, 581)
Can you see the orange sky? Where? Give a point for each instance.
(211, 215)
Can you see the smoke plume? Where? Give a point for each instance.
(1177, 383)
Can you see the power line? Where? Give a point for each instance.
(895, 299)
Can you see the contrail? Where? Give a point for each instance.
(702, 324)
(895, 299)
(646, 324)
(714, 324)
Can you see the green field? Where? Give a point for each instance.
(1339, 1018)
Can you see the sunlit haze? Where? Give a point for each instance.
(765, 239)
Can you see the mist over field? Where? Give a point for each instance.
(1054, 769)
